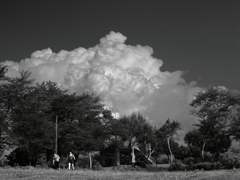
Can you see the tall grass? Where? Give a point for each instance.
(47, 174)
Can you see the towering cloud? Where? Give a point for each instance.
(128, 78)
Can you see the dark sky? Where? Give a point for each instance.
(201, 37)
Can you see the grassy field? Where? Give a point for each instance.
(41, 174)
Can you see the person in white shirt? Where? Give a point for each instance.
(56, 160)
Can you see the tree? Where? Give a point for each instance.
(27, 119)
(3, 124)
(182, 153)
(12, 93)
(83, 123)
(33, 127)
(167, 133)
(213, 108)
(195, 139)
(26, 116)
(136, 131)
(3, 70)
(235, 121)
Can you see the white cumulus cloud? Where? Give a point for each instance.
(128, 78)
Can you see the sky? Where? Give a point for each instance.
(150, 56)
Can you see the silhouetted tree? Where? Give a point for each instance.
(167, 132)
(3, 70)
(134, 130)
(213, 108)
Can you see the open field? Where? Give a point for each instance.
(41, 174)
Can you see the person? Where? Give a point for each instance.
(56, 160)
(71, 159)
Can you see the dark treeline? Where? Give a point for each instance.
(28, 113)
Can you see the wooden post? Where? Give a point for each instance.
(56, 135)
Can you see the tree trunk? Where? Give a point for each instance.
(133, 155)
(90, 160)
(170, 151)
(150, 153)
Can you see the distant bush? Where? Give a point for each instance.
(207, 165)
(230, 163)
(177, 166)
(3, 162)
(191, 160)
(84, 162)
(162, 161)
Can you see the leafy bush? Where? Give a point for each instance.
(96, 165)
(191, 160)
(82, 162)
(230, 163)
(3, 162)
(203, 166)
(177, 166)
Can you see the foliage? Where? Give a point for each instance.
(214, 110)
(83, 123)
(235, 122)
(19, 157)
(207, 165)
(230, 163)
(3, 70)
(182, 152)
(28, 113)
(135, 129)
(177, 166)
(13, 92)
(192, 164)
(166, 135)
(83, 162)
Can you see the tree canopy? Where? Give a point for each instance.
(214, 110)
(28, 113)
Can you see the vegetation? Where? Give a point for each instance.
(39, 174)
(28, 113)
(214, 110)
(165, 135)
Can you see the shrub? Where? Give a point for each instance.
(191, 160)
(230, 163)
(82, 162)
(3, 162)
(96, 165)
(177, 166)
(203, 166)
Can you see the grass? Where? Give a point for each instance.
(47, 174)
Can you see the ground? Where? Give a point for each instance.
(64, 174)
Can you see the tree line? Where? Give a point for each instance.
(28, 112)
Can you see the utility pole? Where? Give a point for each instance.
(56, 137)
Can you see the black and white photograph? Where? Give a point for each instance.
(106, 89)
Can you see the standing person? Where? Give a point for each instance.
(71, 159)
(56, 159)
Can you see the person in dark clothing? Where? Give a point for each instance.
(71, 159)
(56, 160)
